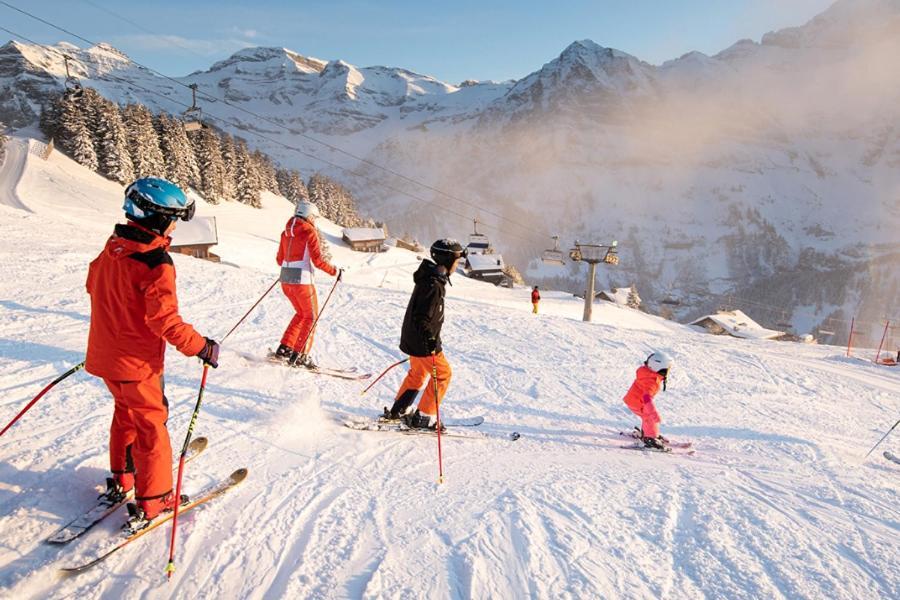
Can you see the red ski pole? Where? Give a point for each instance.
(437, 404)
(170, 568)
(316, 322)
(383, 373)
(50, 385)
(247, 314)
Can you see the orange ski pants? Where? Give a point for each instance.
(138, 438)
(306, 306)
(420, 373)
(646, 410)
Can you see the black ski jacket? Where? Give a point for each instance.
(425, 312)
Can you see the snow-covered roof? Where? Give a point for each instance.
(738, 324)
(485, 262)
(363, 234)
(616, 295)
(197, 231)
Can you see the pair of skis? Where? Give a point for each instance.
(670, 447)
(103, 508)
(351, 374)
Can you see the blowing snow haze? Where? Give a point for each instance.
(769, 172)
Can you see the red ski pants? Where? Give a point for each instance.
(306, 306)
(646, 410)
(138, 433)
(420, 373)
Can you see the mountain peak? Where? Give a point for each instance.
(271, 56)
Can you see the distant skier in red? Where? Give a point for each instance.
(535, 299)
(298, 255)
(649, 378)
(134, 312)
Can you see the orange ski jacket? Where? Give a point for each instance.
(134, 308)
(645, 387)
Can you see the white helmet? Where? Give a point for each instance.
(659, 361)
(306, 209)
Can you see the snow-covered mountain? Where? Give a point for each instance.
(769, 172)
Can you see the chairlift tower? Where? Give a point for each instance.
(593, 254)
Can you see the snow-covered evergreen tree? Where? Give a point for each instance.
(208, 155)
(291, 185)
(72, 133)
(181, 168)
(143, 142)
(50, 111)
(229, 163)
(633, 300)
(246, 177)
(335, 202)
(111, 142)
(3, 140)
(266, 172)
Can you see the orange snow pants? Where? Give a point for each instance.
(306, 306)
(138, 438)
(646, 410)
(420, 373)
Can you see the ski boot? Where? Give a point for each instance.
(418, 420)
(115, 490)
(637, 433)
(283, 353)
(142, 513)
(655, 443)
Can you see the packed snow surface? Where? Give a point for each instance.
(777, 502)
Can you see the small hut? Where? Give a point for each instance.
(196, 237)
(364, 239)
(736, 324)
(487, 267)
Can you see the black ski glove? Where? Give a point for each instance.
(431, 345)
(340, 274)
(210, 353)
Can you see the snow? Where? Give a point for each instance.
(777, 502)
(363, 234)
(485, 262)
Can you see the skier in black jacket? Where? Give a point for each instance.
(421, 338)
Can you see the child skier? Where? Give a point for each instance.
(298, 255)
(639, 398)
(134, 312)
(421, 338)
(535, 298)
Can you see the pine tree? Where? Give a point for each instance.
(143, 142)
(111, 142)
(291, 185)
(633, 300)
(335, 202)
(265, 172)
(247, 177)
(3, 140)
(50, 111)
(208, 155)
(229, 162)
(73, 134)
(181, 168)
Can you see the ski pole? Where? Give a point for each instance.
(383, 373)
(316, 322)
(437, 404)
(247, 314)
(50, 385)
(882, 439)
(170, 568)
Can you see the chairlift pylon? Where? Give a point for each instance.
(192, 118)
(553, 256)
(74, 90)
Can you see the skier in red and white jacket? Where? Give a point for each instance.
(298, 256)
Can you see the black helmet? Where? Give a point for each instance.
(445, 251)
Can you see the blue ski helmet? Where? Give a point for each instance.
(152, 196)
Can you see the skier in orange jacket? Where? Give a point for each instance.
(298, 255)
(134, 312)
(535, 299)
(639, 398)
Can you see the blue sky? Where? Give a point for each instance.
(452, 41)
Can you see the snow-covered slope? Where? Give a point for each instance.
(776, 503)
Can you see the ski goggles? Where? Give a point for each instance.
(185, 213)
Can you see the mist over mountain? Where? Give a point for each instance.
(768, 173)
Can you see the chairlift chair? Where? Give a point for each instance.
(554, 256)
(192, 118)
(478, 242)
(74, 90)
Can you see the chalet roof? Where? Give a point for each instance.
(485, 262)
(198, 231)
(738, 324)
(616, 295)
(364, 234)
